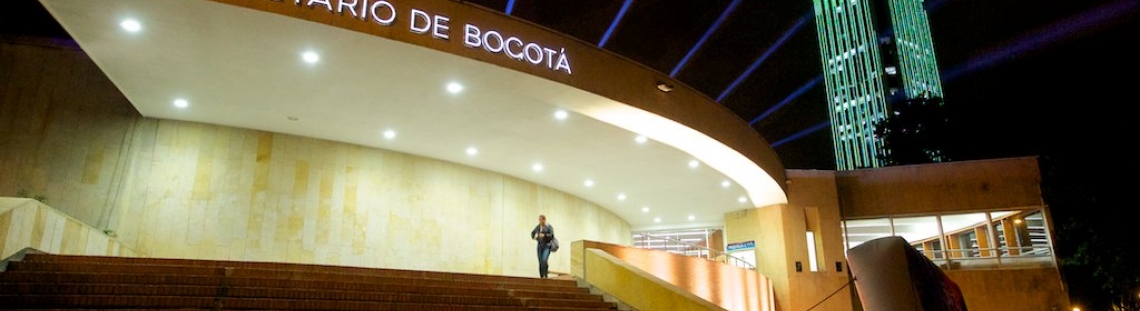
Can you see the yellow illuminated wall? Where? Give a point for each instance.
(179, 189)
(29, 225)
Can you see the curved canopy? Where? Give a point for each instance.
(247, 68)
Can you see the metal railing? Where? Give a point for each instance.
(991, 258)
(688, 249)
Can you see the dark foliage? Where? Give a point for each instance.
(915, 131)
(1096, 249)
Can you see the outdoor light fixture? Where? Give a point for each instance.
(664, 87)
(131, 25)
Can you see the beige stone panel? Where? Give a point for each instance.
(820, 291)
(816, 190)
(766, 227)
(259, 200)
(637, 288)
(20, 226)
(520, 211)
(96, 243)
(67, 116)
(467, 237)
(45, 229)
(130, 200)
(496, 227)
(181, 189)
(713, 282)
(53, 232)
(5, 230)
(76, 238)
(92, 166)
(940, 187)
(37, 224)
(1011, 289)
(352, 222)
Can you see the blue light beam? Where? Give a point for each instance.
(807, 86)
(759, 60)
(614, 24)
(1077, 25)
(800, 134)
(510, 6)
(708, 33)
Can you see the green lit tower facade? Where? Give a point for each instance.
(874, 53)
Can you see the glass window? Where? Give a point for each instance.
(922, 233)
(961, 234)
(965, 240)
(862, 230)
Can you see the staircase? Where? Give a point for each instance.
(61, 282)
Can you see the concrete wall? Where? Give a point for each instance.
(819, 200)
(813, 193)
(940, 188)
(637, 288)
(1012, 289)
(180, 189)
(657, 280)
(928, 189)
(780, 233)
(30, 224)
(764, 226)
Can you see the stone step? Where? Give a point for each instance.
(69, 282)
(180, 302)
(74, 289)
(581, 295)
(258, 273)
(569, 303)
(103, 279)
(40, 257)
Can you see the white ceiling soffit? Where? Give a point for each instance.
(244, 68)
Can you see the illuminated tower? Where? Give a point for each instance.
(874, 53)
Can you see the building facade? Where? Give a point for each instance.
(124, 180)
(874, 53)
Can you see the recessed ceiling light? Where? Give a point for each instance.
(725, 184)
(589, 183)
(181, 103)
(311, 57)
(472, 151)
(621, 196)
(641, 139)
(561, 114)
(742, 199)
(694, 163)
(454, 87)
(537, 167)
(644, 209)
(691, 217)
(131, 25)
(390, 134)
(658, 219)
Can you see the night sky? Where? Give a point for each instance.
(1048, 78)
(1021, 77)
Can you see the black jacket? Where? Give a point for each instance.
(548, 230)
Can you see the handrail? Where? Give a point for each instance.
(968, 258)
(702, 252)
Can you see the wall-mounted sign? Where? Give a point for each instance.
(740, 246)
(383, 13)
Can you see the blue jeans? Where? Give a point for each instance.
(543, 255)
